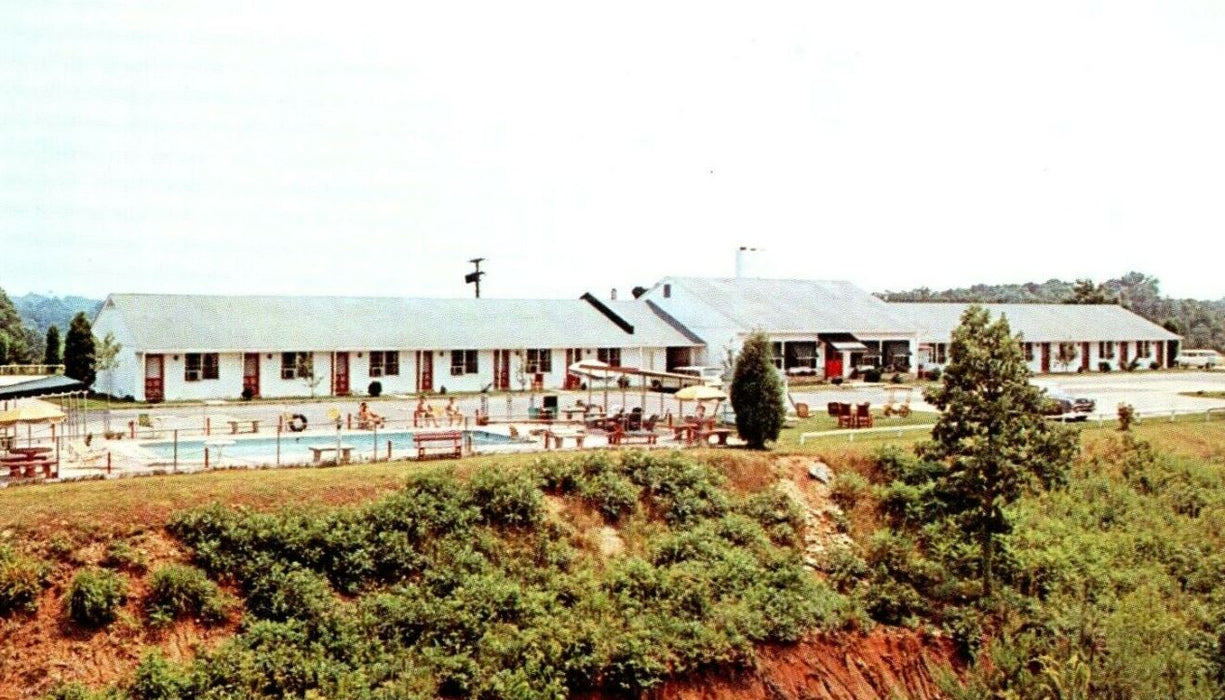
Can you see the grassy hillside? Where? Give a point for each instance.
(611, 573)
(523, 577)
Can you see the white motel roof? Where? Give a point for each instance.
(1039, 323)
(789, 305)
(206, 323)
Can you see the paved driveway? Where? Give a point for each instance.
(1148, 392)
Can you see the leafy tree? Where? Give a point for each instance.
(12, 333)
(991, 436)
(306, 372)
(106, 359)
(757, 393)
(79, 353)
(1086, 292)
(53, 355)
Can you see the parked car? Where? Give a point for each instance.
(1066, 407)
(1204, 359)
(711, 376)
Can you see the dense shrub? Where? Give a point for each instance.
(21, 582)
(158, 679)
(470, 589)
(95, 596)
(176, 591)
(872, 375)
(375, 388)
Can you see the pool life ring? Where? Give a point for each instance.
(297, 423)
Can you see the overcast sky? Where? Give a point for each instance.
(371, 149)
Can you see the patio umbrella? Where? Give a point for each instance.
(700, 392)
(31, 414)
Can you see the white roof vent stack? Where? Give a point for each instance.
(748, 261)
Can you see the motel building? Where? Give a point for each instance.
(1055, 337)
(195, 347)
(817, 327)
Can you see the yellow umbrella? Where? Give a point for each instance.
(700, 392)
(31, 413)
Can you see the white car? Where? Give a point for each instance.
(1204, 359)
(711, 376)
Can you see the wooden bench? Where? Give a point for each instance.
(235, 423)
(558, 438)
(28, 468)
(622, 437)
(450, 442)
(346, 453)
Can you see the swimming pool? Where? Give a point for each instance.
(295, 448)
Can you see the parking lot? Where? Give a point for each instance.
(1148, 392)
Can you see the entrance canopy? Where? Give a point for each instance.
(843, 342)
(55, 385)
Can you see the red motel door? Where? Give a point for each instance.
(154, 385)
(340, 374)
(425, 370)
(250, 373)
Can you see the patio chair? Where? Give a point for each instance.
(649, 423)
(833, 408)
(863, 415)
(846, 416)
(634, 420)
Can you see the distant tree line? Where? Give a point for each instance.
(1201, 323)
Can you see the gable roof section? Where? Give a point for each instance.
(789, 306)
(1040, 323)
(238, 323)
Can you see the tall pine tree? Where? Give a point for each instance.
(991, 435)
(53, 355)
(79, 360)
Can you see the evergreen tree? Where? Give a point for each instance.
(53, 355)
(79, 360)
(991, 436)
(757, 393)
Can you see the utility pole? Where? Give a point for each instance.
(474, 277)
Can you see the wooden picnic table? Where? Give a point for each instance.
(30, 452)
(721, 435)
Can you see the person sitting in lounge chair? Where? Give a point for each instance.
(367, 419)
(424, 414)
(454, 415)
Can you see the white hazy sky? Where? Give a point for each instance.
(357, 148)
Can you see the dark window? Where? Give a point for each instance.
(1105, 349)
(1028, 349)
(610, 356)
(539, 360)
(463, 362)
(384, 363)
(201, 365)
(292, 364)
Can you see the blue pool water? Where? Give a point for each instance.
(296, 448)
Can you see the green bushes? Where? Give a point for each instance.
(21, 582)
(471, 589)
(95, 596)
(184, 591)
